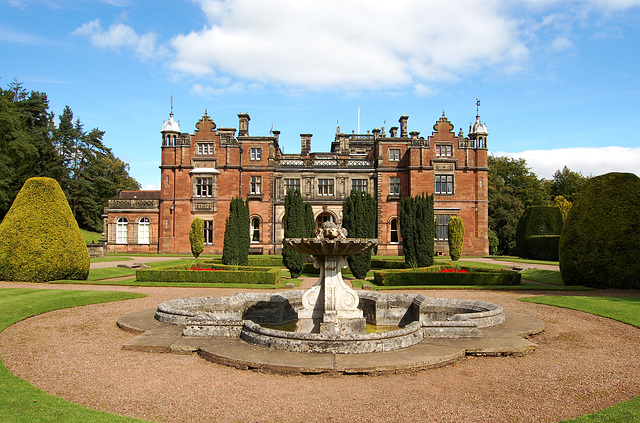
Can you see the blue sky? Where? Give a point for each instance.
(558, 80)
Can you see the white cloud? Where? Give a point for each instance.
(588, 161)
(356, 44)
(151, 187)
(561, 44)
(121, 36)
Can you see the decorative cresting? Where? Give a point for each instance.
(330, 306)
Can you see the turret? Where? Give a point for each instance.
(478, 133)
(170, 132)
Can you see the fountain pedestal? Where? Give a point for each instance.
(330, 306)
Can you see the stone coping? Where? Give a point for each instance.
(500, 340)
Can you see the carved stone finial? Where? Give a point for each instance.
(330, 230)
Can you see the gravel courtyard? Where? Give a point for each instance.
(583, 363)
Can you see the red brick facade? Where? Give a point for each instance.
(201, 172)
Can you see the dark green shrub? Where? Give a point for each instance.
(494, 242)
(196, 237)
(537, 220)
(359, 216)
(431, 276)
(417, 228)
(237, 238)
(384, 263)
(543, 247)
(600, 242)
(456, 237)
(39, 239)
(229, 274)
(297, 223)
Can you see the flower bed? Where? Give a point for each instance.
(445, 275)
(219, 273)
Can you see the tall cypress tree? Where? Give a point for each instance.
(418, 230)
(359, 219)
(298, 223)
(235, 250)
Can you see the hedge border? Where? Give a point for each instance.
(231, 274)
(431, 276)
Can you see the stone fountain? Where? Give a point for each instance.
(330, 321)
(330, 306)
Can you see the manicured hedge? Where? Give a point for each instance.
(39, 238)
(543, 247)
(432, 276)
(385, 263)
(228, 274)
(600, 242)
(537, 220)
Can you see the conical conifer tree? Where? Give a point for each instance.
(359, 215)
(298, 223)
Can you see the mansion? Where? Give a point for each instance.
(202, 171)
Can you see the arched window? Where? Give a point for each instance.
(121, 230)
(144, 232)
(394, 231)
(255, 229)
(323, 217)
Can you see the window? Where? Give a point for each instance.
(204, 187)
(255, 230)
(144, 233)
(205, 148)
(359, 185)
(325, 186)
(291, 185)
(444, 184)
(256, 185)
(208, 232)
(166, 181)
(394, 154)
(323, 217)
(121, 230)
(395, 231)
(444, 150)
(394, 185)
(442, 226)
(256, 153)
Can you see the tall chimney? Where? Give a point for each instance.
(306, 144)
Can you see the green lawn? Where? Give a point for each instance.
(623, 309)
(90, 236)
(19, 400)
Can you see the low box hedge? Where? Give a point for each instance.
(222, 274)
(433, 276)
(258, 261)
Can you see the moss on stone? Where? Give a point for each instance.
(39, 238)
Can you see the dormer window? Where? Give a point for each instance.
(443, 150)
(256, 153)
(205, 148)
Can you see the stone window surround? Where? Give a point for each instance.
(204, 148)
(255, 153)
(444, 184)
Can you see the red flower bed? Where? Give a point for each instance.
(452, 270)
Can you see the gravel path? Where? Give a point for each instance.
(583, 363)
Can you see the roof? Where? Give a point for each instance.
(138, 194)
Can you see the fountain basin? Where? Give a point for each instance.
(418, 317)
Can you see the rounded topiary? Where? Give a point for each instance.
(537, 220)
(39, 238)
(600, 243)
(455, 232)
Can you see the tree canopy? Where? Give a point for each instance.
(31, 144)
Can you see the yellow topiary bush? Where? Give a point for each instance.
(39, 238)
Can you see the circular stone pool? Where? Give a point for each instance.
(416, 316)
